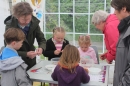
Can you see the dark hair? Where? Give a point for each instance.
(22, 9)
(13, 34)
(119, 4)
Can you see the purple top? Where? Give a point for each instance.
(66, 78)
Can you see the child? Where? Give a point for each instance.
(68, 72)
(86, 52)
(56, 44)
(12, 67)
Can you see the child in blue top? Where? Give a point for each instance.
(12, 67)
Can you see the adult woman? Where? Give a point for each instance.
(121, 74)
(107, 23)
(23, 19)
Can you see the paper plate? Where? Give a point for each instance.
(50, 67)
(93, 70)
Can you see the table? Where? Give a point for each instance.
(45, 76)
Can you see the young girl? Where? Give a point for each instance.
(86, 52)
(68, 72)
(56, 44)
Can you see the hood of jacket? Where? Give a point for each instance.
(111, 18)
(9, 59)
(13, 22)
(67, 76)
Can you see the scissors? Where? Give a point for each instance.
(35, 70)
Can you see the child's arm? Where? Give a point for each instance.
(54, 75)
(94, 56)
(22, 77)
(85, 77)
(49, 51)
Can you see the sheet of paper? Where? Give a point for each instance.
(97, 78)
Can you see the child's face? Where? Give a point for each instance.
(59, 37)
(84, 47)
(18, 44)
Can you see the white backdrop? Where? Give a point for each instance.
(4, 12)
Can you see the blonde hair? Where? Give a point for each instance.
(58, 29)
(70, 57)
(84, 39)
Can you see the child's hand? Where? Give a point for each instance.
(62, 51)
(83, 60)
(86, 69)
(57, 52)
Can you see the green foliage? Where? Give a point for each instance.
(51, 6)
(81, 21)
(51, 22)
(66, 21)
(66, 6)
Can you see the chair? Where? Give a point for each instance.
(96, 51)
(55, 59)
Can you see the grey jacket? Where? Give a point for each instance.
(123, 54)
(13, 69)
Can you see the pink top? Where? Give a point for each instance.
(58, 45)
(90, 52)
(111, 35)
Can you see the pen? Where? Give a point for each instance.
(34, 70)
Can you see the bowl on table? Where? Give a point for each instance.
(50, 67)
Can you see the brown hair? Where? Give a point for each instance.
(22, 9)
(70, 57)
(119, 4)
(13, 34)
(58, 29)
(84, 39)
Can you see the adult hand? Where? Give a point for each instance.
(57, 52)
(109, 62)
(39, 51)
(31, 54)
(102, 56)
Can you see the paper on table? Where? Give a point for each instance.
(95, 77)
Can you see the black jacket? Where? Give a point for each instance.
(50, 48)
(28, 44)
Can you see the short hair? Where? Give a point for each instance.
(21, 9)
(99, 16)
(13, 34)
(70, 57)
(84, 39)
(58, 29)
(119, 4)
